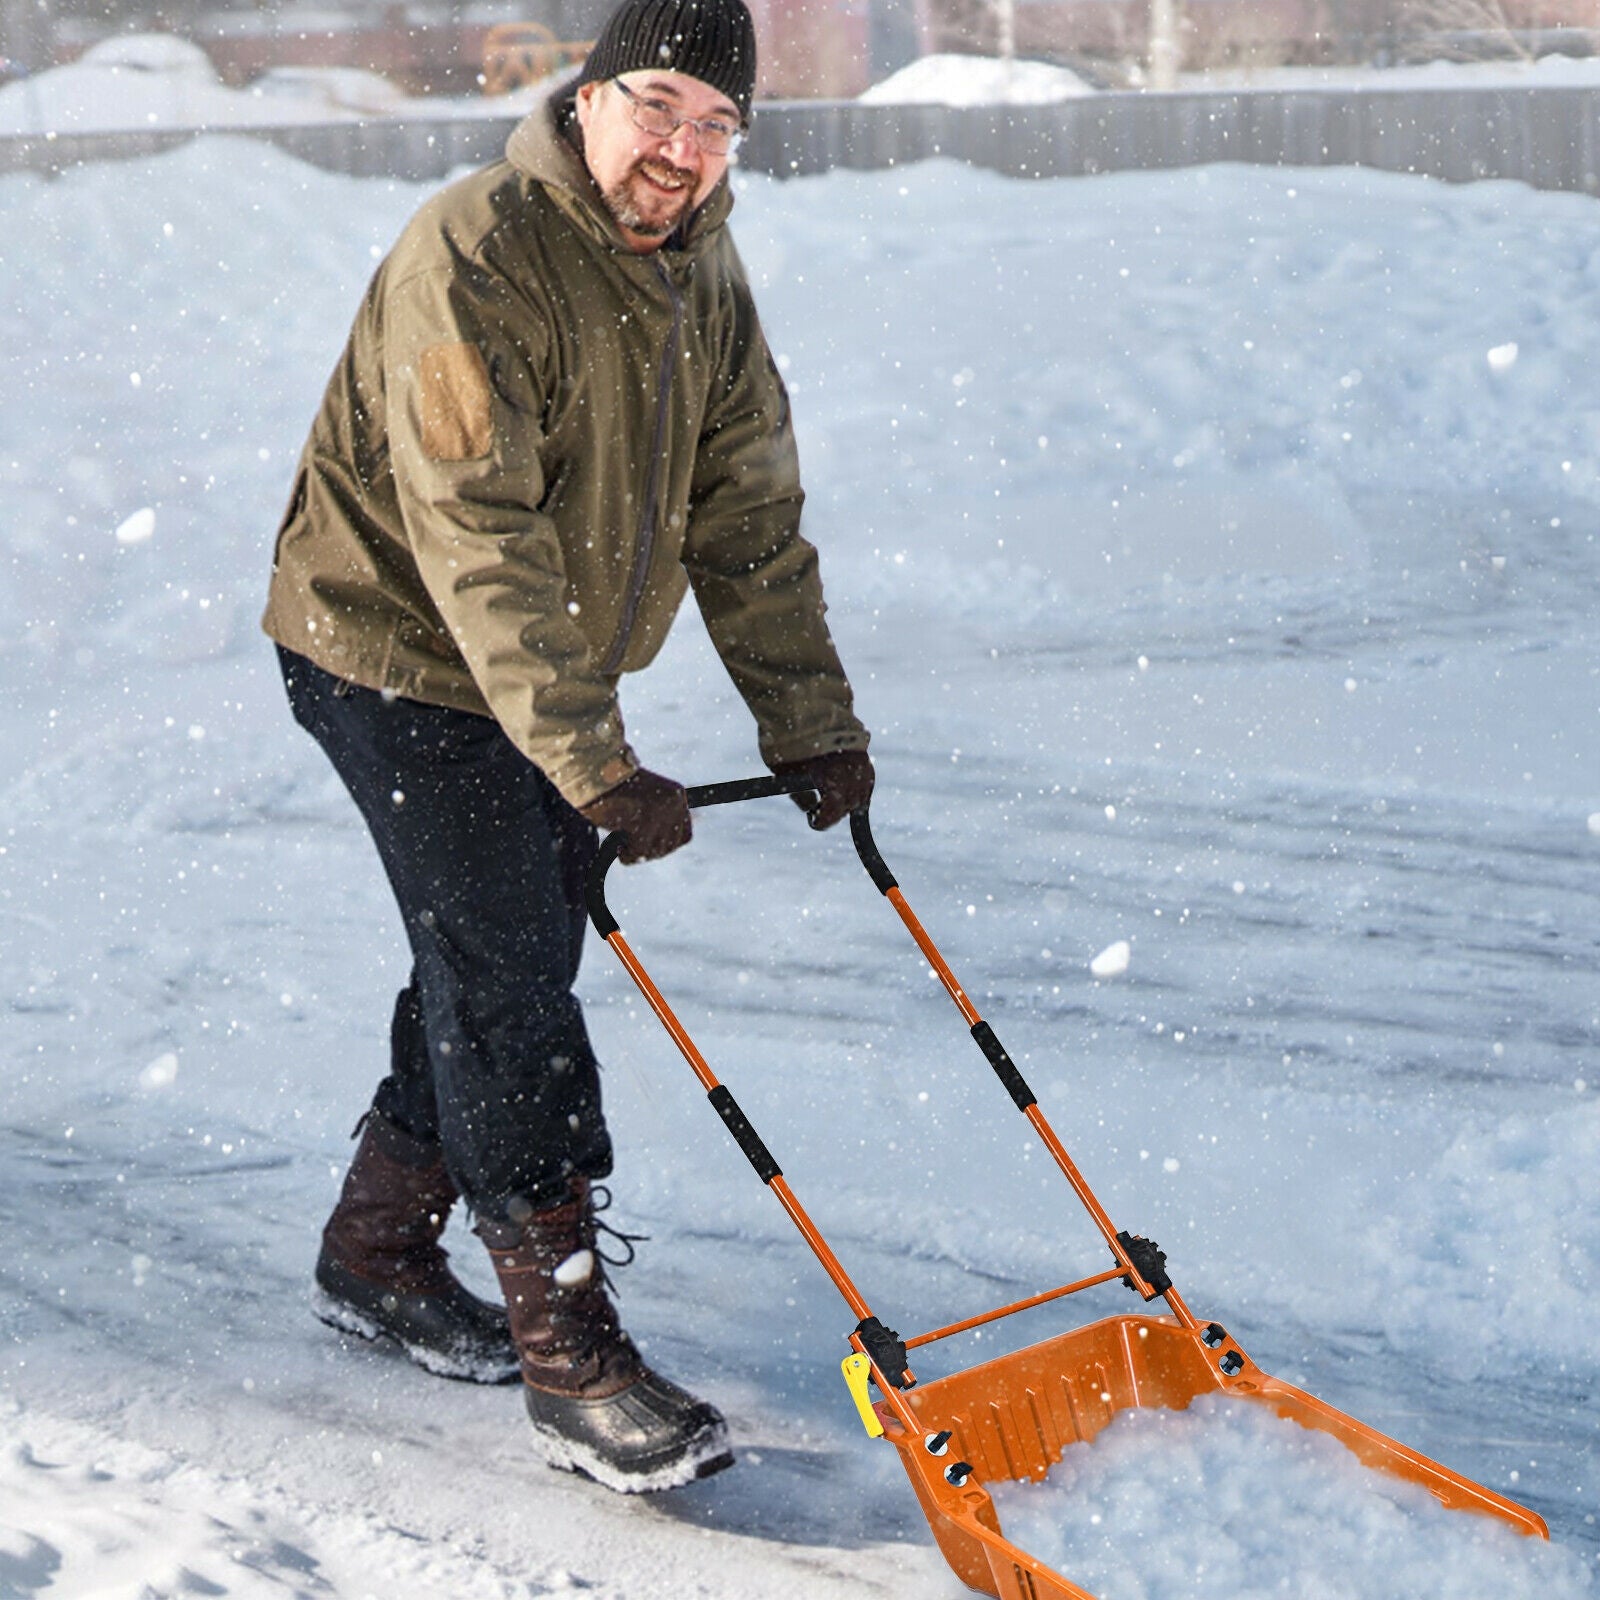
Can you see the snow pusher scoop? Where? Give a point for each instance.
(1011, 1417)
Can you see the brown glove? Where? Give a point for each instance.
(843, 780)
(651, 812)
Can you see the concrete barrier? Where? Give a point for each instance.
(1546, 137)
(416, 150)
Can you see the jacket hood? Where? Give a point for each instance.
(541, 148)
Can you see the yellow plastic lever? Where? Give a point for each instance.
(856, 1371)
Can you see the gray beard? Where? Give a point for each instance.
(627, 214)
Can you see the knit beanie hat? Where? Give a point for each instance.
(712, 40)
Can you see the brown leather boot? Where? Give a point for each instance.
(594, 1405)
(382, 1272)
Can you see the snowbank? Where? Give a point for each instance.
(142, 81)
(950, 80)
(1552, 71)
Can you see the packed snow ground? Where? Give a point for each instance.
(1215, 555)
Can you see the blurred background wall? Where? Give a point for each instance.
(818, 48)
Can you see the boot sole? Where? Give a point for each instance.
(345, 1318)
(706, 1454)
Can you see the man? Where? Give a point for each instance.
(555, 414)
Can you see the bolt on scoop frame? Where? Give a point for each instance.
(1011, 1417)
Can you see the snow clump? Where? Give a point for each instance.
(137, 528)
(1113, 961)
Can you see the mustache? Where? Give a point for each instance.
(654, 167)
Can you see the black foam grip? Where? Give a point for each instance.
(746, 1137)
(595, 889)
(867, 849)
(1005, 1069)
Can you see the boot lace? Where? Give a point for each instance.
(585, 1318)
(600, 1200)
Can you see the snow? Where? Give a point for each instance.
(137, 528)
(576, 1269)
(1113, 961)
(970, 80)
(1207, 587)
(958, 80)
(1540, 72)
(1267, 1508)
(347, 88)
(149, 52)
(160, 81)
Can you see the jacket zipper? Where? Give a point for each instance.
(644, 544)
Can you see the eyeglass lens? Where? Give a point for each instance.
(661, 121)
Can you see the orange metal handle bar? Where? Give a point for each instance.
(880, 1345)
(984, 1317)
(755, 1150)
(698, 796)
(1006, 1070)
(890, 1380)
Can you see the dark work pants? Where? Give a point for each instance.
(488, 1051)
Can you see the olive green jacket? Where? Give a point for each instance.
(534, 442)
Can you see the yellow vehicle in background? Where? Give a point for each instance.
(516, 54)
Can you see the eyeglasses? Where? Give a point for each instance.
(655, 117)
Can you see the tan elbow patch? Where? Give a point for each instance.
(457, 413)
